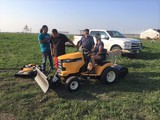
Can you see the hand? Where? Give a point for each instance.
(46, 40)
(90, 54)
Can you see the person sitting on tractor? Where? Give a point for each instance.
(99, 53)
(86, 43)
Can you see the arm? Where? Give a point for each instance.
(44, 41)
(52, 46)
(52, 49)
(100, 49)
(72, 43)
(93, 44)
(94, 48)
(68, 40)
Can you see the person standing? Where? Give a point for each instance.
(44, 41)
(58, 45)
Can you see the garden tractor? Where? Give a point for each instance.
(73, 67)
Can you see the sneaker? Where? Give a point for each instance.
(54, 79)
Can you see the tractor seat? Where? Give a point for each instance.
(102, 61)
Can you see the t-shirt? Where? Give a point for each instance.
(45, 47)
(97, 46)
(59, 44)
(103, 53)
(87, 43)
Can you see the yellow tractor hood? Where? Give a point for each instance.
(71, 62)
(71, 56)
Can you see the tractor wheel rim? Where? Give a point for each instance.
(111, 76)
(74, 85)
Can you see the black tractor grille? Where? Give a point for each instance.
(60, 64)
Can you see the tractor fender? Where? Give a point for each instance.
(100, 69)
(121, 70)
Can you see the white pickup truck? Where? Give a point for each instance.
(114, 40)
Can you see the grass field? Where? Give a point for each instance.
(137, 97)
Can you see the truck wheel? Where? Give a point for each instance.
(109, 76)
(72, 83)
(116, 47)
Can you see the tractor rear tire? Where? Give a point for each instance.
(72, 83)
(109, 76)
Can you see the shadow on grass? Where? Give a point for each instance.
(134, 82)
(81, 94)
(147, 53)
(135, 65)
(147, 56)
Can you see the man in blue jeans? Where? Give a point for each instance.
(44, 40)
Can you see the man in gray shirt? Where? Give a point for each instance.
(87, 44)
(87, 41)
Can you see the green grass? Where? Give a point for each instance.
(136, 97)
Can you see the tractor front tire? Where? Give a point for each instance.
(72, 83)
(109, 76)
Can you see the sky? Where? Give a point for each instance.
(126, 16)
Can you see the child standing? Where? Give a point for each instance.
(44, 40)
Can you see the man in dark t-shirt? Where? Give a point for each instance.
(58, 45)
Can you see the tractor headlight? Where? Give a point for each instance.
(127, 45)
(68, 60)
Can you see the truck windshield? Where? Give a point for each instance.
(115, 34)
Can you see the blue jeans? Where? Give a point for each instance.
(44, 60)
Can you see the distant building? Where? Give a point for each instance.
(150, 34)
